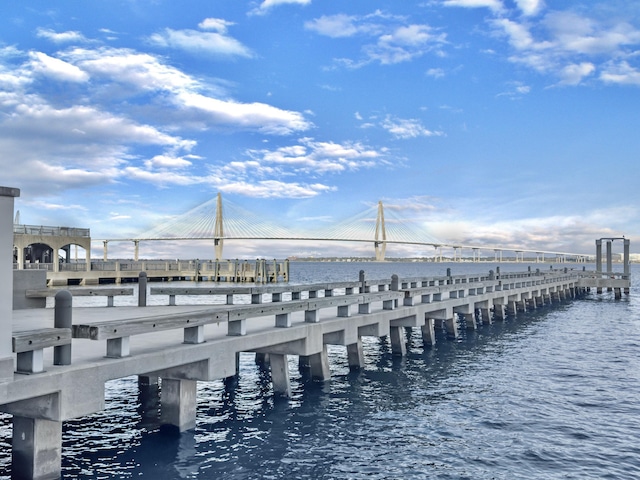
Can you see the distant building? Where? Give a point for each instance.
(48, 247)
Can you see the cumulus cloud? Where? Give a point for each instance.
(567, 45)
(530, 7)
(213, 40)
(316, 157)
(574, 74)
(145, 72)
(259, 116)
(495, 5)
(55, 68)
(404, 128)
(389, 40)
(267, 5)
(336, 26)
(62, 37)
(620, 73)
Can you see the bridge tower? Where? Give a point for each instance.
(218, 228)
(381, 234)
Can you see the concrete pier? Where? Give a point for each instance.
(158, 342)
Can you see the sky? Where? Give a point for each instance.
(508, 123)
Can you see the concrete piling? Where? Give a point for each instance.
(62, 319)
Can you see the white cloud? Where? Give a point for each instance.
(335, 26)
(275, 189)
(218, 24)
(214, 43)
(530, 7)
(435, 72)
(620, 73)
(168, 161)
(390, 40)
(566, 44)
(404, 128)
(141, 70)
(574, 74)
(571, 32)
(495, 5)
(56, 68)
(267, 5)
(63, 37)
(318, 158)
(146, 73)
(260, 116)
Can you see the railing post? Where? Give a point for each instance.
(62, 318)
(394, 287)
(362, 282)
(142, 289)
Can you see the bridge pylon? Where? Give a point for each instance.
(218, 229)
(380, 242)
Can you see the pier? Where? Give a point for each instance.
(54, 362)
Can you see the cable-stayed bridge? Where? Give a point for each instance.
(219, 223)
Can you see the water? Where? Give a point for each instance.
(548, 395)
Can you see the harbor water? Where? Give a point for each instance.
(550, 394)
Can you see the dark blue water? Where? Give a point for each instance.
(553, 394)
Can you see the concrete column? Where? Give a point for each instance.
(62, 318)
(280, 374)
(142, 289)
(599, 255)
(7, 196)
(355, 355)
(487, 319)
(262, 360)
(470, 321)
(20, 259)
(37, 448)
(627, 266)
(179, 400)
(451, 325)
(398, 344)
(428, 332)
(149, 400)
(512, 307)
(498, 311)
(319, 364)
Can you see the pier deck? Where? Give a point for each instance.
(182, 344)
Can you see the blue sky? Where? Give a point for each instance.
(485, 122)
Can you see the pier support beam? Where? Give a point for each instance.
(487, 318)
(398, 343)
(319, 364)
(280, 374)
(470, 321)
(428, 332)
(355, 355)
(262, 360)
(451, 325)
(178, 399)
(37, 448)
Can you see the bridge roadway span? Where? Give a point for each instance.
(61, 372)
